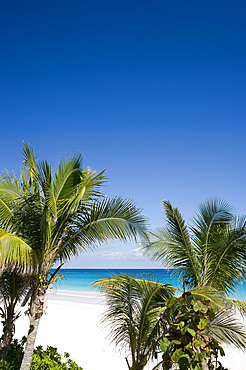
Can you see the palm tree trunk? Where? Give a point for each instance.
(37, 307)
(8, 332)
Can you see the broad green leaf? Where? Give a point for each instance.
(175, 342)
(170, 302)
(200, 356)
(199, 306)
(191, 331)
(177, 354)
(164, 345)
(184, 362)
(202, 323)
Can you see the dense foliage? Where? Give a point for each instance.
(188, 341)
(211, 251)
(50, 216)
(42, 359)
(142, 313)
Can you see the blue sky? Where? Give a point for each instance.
(153, 91)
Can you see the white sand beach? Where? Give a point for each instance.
(72, 324)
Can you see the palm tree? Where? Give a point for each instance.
(209, 257)
(133, 314)
(209, 253)
(13, 287)
(138, 318)
(49, 217)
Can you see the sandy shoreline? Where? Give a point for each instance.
(72, 323)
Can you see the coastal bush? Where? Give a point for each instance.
(50, 359)
(188, 342)
(42, 359)
(15, 355)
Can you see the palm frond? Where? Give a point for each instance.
(13, 286)
(238, 305)
(211, 220)
(29, 167)
(227, 265)
(67, 177)
(5, 213)
(172, 245)
(134, 307)
(217, 299)
(99, 222)
(45, 179)
(14, 251)
(227, 328)
(10, 188)
(87, 190)
(211, 213)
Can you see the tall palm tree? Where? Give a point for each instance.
(211, 252)
(48, 217)
(133, 314)
(13, 287)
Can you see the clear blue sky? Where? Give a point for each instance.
(153, 91)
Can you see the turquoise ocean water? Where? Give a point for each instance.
(80, 279)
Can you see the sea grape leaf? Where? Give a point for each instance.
(164, 345)
(200, 356)
(170, 301)
(191, 331)
(177, 354)
(202, 323)
(184, 362)
(196, 343)
(199, 306)
(177, 342)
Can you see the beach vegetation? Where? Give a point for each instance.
(47, 217)
(42, 359)
(134, 308)
(210, 252)
(188, 328)
(145, 316)
(13, 287)
(188, 341)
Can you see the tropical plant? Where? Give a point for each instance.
(50, 359)
(15, 355)
(134, 308)
(42, 359)
(142, 313)
(13, 287)
(188, 341)
(48, 217)
(209, 258)
(211, 252)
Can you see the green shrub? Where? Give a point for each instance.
(48, 359)
(187, 342)
(15, 355)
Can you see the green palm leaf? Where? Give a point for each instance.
(172, 245)
(29, 168)
(238, 305)
(5, 213)
(217, 298)
(227, 328)
(108, 219)
(134, 307)
(14, 251)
